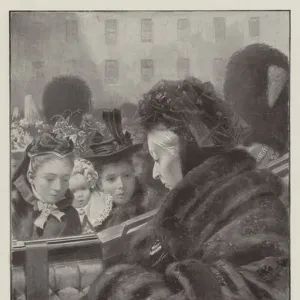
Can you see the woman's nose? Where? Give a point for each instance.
(56, 185)
(119, 183)
(155, 173)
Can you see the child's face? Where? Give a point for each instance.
(118, 180)
(79, 187)
(51, 180)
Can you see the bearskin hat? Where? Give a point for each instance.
(66, 95)
(257, 86)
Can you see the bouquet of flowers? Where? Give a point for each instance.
(82, 135)
(20, 136)
(22, 133)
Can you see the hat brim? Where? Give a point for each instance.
(123, 152)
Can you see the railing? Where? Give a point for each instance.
(105, 245)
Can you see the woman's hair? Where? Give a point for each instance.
(165, 138)
(39, 160)
(189, 153)
(86, 169)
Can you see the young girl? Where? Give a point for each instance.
(112, 159)
(92, 205)
(41, 201)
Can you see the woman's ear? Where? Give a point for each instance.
(30, 177)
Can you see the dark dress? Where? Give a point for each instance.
(24, 213)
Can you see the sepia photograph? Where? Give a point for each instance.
(150, 155)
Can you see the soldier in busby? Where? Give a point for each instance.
(68, 96)
(257, 87)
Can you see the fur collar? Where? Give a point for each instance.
(213, 191)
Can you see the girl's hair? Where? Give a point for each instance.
(99, 165)
(86, 169)
(39, 160)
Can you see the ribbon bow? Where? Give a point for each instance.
(47, 210)
(81, 211)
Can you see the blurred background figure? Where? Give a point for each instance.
(66, 95)
(17, 113)
(257, 86)
(32, 114)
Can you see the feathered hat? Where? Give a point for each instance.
(118, 145)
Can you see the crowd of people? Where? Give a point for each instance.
(222, 227)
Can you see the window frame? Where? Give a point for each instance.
(39, 69)
(108, 79)
(180, 70)
(251, 30)
(70, 29)
(220, 29)
(111, 31)
(183, 34)
(145, 31)
(144, 66)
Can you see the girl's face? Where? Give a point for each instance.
(118, 180)
(80, 189)
(51, 180)
(167, 166)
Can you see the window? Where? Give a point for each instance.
(38, 69)
(219, 69)
(111, 71)
(71, 30)
(254, 27)
(146, 30)
(220, 28)
(183, 68)
(183, 29)
(111, 31)
(147, 71)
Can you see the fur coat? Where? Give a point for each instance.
(221, 233)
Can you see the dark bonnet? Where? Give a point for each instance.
(193, 110)
(43, 144)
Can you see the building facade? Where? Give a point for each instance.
(122, 54)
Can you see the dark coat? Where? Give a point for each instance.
(123, 213)
(24, 215)
(225, 216)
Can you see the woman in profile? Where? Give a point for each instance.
(41, 201)
(221, 232)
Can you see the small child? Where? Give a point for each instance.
(92, 205)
